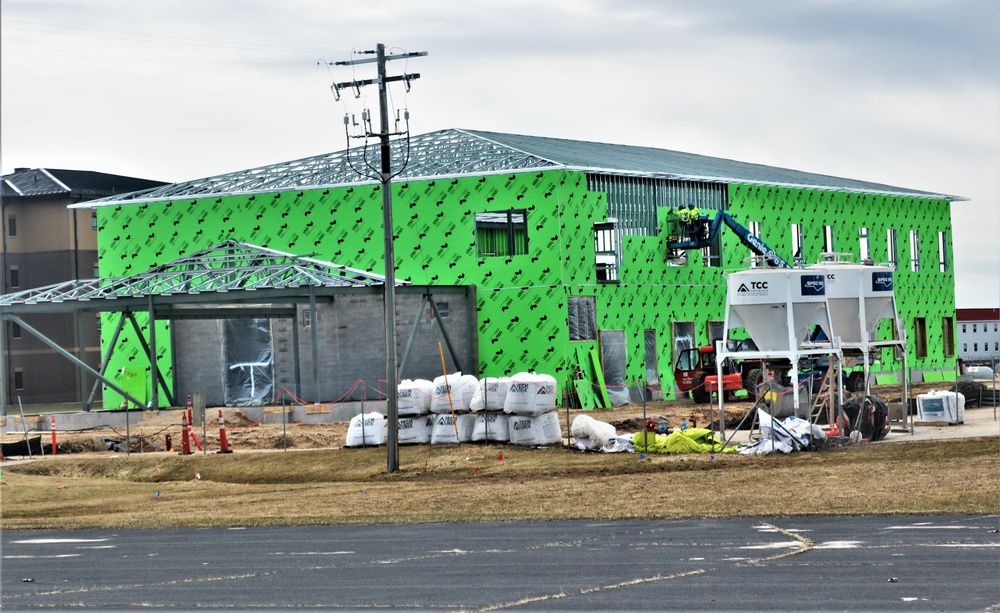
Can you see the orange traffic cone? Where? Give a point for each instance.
(223, 439)
(185, 441)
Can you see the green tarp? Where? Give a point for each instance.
(691, 440)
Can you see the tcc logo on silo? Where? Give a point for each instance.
(752, 287)
(813, 285)
(881, 281)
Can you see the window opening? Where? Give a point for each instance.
(864, 244)
(93, 220)
(798, 254)
(582, 311)
(12, 226)
(683, 332)
(15, 277)
(948, 337)
(18, 379)
(828, 244)
(754, 227)
(15, 330)
(606, 252)
(442, 309)
(652, 374)
(920, 336)
(502, 233)
(891, 247)
(914, 250)
(942, 252)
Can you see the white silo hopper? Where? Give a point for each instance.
(777, 307)
(858, 297)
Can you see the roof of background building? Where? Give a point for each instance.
(50, 183)
(977, 314)
(454, 152)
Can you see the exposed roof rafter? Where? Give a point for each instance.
(228, 266)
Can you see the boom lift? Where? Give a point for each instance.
(702, 232)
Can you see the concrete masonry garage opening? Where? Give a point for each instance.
(324, 322)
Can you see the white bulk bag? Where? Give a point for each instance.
(490, 394)
(530, 394)
(443, 430)
(366, 429)
(491, 427)
(463, 388)
(591, 433)
(415, 429)
(534, 431)
(415, 396)
(466, 426)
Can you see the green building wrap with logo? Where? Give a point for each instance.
(565, 243)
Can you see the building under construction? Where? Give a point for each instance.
(522, 254)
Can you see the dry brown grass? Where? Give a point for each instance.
(442, 483)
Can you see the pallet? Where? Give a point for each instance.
(938, 423)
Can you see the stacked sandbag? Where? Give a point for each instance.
(443, 430)
(492, 427)
(367, 429)
(530, 394)
(466, 426)
(490, 395)
(415, 430)
(415, 397)
(591, 433)
(535, 431)
(462, 389)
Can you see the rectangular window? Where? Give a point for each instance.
(996, 346)
(864, 244)
(442, 309)
(96, 271)
(975, 347)
(15, 277)
(93, 220)
(973, 328)
(914, 250)
(948, 337)
(942, 252)
(963, 329)
(307, 319)
(920, 336)
(18, 379)
(582, 318)
(891, 247)
(798, 253)
(828, 244)
(606, 252)
(11, 226)
(965, 347)
(15, 330)
(502, 233)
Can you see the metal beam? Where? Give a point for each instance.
(104, 362)
(69, 356)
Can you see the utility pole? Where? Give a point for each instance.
(384, 174)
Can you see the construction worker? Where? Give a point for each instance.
(694, 221)
(683, 218)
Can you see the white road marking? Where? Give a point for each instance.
(839, 545)
(57, 541)
(61, 555)
(781, 545)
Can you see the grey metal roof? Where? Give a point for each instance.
(48, 183)
(455, 152)
(228, 266)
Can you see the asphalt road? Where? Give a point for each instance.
(845, 563)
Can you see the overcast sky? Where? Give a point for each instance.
(903, 92)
